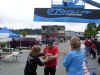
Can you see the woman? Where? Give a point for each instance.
(73, 61)
(33, 61)
(98, 50)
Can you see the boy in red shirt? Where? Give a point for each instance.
(52, 53)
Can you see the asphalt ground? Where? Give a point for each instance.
(13, 67)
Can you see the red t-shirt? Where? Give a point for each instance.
(53, 51)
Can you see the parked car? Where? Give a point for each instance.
(23, 42)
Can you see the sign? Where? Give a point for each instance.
(67, 15)
(61, 31)
(68, 12)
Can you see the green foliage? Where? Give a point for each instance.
(28, 31)
(91, 30)
(20, 49)
(98, 28)
(2, 44)
(24, 34)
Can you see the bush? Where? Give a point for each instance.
(2, 44)
(19, 49)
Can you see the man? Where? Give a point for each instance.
(52, 53)
(88, 44)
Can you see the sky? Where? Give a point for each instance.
(18, 14)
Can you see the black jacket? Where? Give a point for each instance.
(32, 63)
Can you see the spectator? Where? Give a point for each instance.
(88, 44)
(33, 61)
(73, 61)
(98, 46)
(93, 49)
(98, 50)
(52, 53)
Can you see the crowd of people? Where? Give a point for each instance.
(92, 48)
(72, 60)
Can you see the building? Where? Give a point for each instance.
(53, 32)
(70, 34)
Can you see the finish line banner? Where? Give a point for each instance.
(67, 15)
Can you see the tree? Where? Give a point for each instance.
(29, 31)
(23, 34)
(98, 28)
(91, 30)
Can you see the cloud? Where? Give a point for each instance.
(18, 14)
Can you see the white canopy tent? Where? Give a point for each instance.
(4, 37)
(98, 35)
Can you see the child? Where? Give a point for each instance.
(33, 61)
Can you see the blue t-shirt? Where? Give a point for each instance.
(73, 62)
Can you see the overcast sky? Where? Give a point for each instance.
(18, 14)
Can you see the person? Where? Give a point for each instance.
(73, 60)
(88, 44)
(98, 46)
(51, 52)
(47, 38)
(98, 50)
(93, 50)
(33, 61)
(13, 44)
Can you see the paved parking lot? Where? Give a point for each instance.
(17, 68)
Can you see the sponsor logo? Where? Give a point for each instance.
(68, 12)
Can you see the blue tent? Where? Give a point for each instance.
(11, 34)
